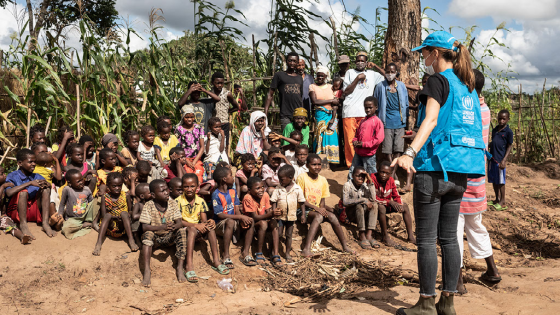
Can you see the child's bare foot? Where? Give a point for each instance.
(349, 250)
(306, 253)
(147, 275)
(289, 259)
(25, 230)
(388, 241)
(26, 239)
(133, 246)
(97, 250)
(87, 225)
(48, 230)
(181, 275)
(412, 240)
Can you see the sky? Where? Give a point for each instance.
(532, 35)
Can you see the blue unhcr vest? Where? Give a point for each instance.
(455, 144)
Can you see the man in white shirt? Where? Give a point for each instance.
(359, 83)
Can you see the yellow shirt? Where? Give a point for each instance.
(191, 213)
(46, 172)
(165, 148)
(314, 190)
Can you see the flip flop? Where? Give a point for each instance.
(365, 244)
(260, 259)
(221, 269)
(499, 208)
(190, 275)
(490, 203)
(248, 261)
(486, 277)
(277, 261)
(374, 244)
(228, 263)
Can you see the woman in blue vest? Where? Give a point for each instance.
(447, 149)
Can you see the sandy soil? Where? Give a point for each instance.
(58, 276)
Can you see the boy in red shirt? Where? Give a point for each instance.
(369, 136)
(389, 201)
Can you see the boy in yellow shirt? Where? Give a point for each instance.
(193, 210)
(165, 140)
(316, 189)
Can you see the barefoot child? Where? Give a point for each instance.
(130, 152)
(286, 197)
(256, 204)
(114, 213)
(143, 195)
(175, 187)
(229, 219)
(316, 188)
(358, 199)
(247, 171)
(162, 226)
(165, 140)
(193, 211)
(500, 147)
(176, 165)
(7, 225)
(49, 167)
(270, 170)
(215, 146)
(77, 161)
(76, 206)
(144, 172)
(29, 198)
(389, 201)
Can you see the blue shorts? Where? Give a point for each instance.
(495, 174)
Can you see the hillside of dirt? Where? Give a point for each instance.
(58, 276)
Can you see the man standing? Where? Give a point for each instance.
(307, 81)
(359, 83)
(290, 86)
(343, 65)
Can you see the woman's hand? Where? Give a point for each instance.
(405, 162)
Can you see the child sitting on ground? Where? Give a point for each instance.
(298, 123)
(191, 139)
(300, 166)
(143, 195)
(110, 141)
(7, 225)
(229, 218)
(175, 168)
(65, 136)
(144, 172)
(500, 147)
(215, 146)
(175, 187)
(46, 162)
(358, 199)
(207, 188)
(389, 201)
(29, 198)
(290, 150)
(89, 150)
(76, 206)
(130, 152)
(77, 161)
(248, 170)
(194, 211)
(316, 188)
(162, 226)
(256, 204)
(165, 141)
(147, 152)
(270, 170)
(115, 220)
(285, 198)
(130, 178)
(369, 136)
(108, 159)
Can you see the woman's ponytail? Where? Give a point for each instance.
(462, 65)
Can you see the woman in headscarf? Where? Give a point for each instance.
(325, 103)
(253, 138)
(191, 139)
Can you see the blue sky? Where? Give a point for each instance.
(534, 36)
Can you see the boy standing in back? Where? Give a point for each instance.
(500, 147)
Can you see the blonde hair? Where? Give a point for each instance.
(461, 59)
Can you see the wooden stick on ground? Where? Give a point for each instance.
(5, 154)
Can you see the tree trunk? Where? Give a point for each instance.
(404, 32)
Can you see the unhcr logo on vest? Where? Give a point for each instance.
(468, 102)
(468, 141)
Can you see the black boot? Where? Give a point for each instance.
(424, 306)
(445, 305)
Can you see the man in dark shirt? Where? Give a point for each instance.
(290, 86)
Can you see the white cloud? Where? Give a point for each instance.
(506, 9)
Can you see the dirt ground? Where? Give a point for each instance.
(58, 276)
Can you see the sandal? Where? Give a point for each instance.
(248, 261)
(221, 269)
(228, 263)
(486, 277)
(374, 244)
(260, 259)
(365, 244)
(276, 261)
(191, 276)
(490, 203)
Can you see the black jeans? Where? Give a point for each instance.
(436, 210)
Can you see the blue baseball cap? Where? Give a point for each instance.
(440, 39)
